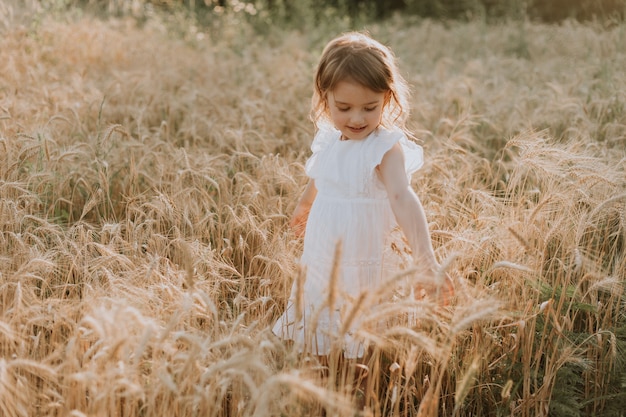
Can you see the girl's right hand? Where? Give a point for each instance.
(301, 213)
(299, 219)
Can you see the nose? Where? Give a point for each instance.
(357, 118)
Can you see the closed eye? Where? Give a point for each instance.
(367, 109)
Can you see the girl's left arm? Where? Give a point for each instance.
(407, 207)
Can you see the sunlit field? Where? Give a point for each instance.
(148, 169)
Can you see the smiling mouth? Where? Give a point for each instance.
(357, 129)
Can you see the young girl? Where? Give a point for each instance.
(358, 194)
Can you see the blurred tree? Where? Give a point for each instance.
(558, 10)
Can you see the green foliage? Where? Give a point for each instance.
(567, 395)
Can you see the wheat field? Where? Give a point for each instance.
(148, 170)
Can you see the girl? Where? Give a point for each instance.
(358, 194)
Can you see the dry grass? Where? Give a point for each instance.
(145, 183)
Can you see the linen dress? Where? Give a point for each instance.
(351, 209)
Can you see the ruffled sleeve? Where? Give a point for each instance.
(413, 153)
(323, 138)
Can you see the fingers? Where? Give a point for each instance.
(298, 229)
(298, 225)
(442, 293)
(299, 219)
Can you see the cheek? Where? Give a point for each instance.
(336, 115)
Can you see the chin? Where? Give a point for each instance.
(357, 135)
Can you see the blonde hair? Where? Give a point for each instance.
(356, 57)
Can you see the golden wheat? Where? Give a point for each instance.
(146, 179)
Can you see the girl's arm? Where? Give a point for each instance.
(301, 213)
(407, 207)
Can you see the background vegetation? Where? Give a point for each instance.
(265, 14)
(151, 155)
(297, 12)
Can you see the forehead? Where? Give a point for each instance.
(350, 92)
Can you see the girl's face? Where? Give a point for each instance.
(355, 110)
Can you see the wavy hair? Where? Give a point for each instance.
(356, 57)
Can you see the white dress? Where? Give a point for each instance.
(351, 207)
